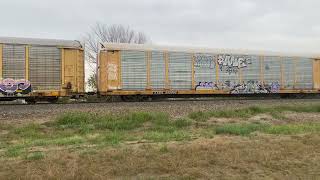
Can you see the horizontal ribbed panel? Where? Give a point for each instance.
(45, 68)
(157, 70)
(304, 76)
(251, 73)
(288, 72)
(180, 67)
(205, 71)
(272, 69)
(133, 70)
(14, 61)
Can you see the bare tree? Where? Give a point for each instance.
(103, 33)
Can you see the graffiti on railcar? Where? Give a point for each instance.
(249, 87)
(204, 61)
(255, 87)
(14, 87)
(206, 86)
(232, 64)
(112, 72)
(227, 63)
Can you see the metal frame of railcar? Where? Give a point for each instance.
(68, 49)
(104, 82)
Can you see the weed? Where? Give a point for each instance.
(113, 138)
(28, 131)
(182, 123)
(164, 149)
(293, 129)
(15, 151)
(240, 129)
(35, 156)
(252, 111)
(199, 116)
(157, 136)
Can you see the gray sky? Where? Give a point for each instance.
(279, 25)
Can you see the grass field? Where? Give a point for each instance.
(256, 142)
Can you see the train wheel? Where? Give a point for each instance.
(146, 98)
(31, 101)
(126, 98)
(53, 100)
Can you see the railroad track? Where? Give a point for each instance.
(166, 100)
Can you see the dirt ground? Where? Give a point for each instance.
(44, 112)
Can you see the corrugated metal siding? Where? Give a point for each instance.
(304, 74)
(180, 68)
(45, 68)
(288, 72)
(205, 68)
(272, 69)
(251, 73)
(157, 70)
(226, 74)
(14, 61)
(133, 70)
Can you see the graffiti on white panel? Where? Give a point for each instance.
(204, 61)
(249, 87)
(232, 64)
(205, 86)
(227, 63)
(112, 72)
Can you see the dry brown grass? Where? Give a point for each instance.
(258, 157)
(262, 146)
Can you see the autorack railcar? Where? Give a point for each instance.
(36, 69)
(129, 70)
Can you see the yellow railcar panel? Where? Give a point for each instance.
(74, 69)
(316, 73)
(102, 81)
(113, 70)
(80, 71)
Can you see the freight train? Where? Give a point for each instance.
(40, 69)
(142, 71)
(37, 69)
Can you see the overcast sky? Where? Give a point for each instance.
(279, 25)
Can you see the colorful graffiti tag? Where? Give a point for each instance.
(205, 86)
(250, 87)
(227, 63)
(14, 87)
(232, 64)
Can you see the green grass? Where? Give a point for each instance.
(28, 131)
(286, 129)
(252, 111)
(79, 129)
(290, 129)
(239, 129)
(15, 151)
(164, 149)
(157, 136)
